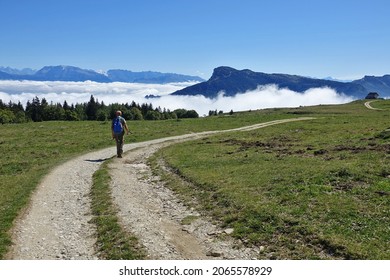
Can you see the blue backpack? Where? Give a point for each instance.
(118, 127)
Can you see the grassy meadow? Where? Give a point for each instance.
(30, 150)
(316, 189)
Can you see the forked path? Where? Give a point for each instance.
(56, 225)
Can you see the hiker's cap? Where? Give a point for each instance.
(118, 113)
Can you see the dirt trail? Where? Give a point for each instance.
(368, 105)
(56, 223)
(154, 214)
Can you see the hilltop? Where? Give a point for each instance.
(375, 84)
(232, 81)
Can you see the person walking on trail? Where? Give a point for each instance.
(118, 128)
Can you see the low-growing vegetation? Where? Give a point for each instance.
(317, 189)
(113, 243)
(30, 150)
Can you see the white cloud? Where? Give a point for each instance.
(78, 92)
(263, 97)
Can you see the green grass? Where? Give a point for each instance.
(113, 243)
(305, 190)
(316, 189)
(380, 104)
(30, 150)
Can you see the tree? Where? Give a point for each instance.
(102, 115)
(145, 108)
(184, 114)
(60, 112)
(34, 110)
(40, 110)
(71, 115)
(136, 113)
(180, 113)
(167, 114)
(6, 116)
(49, 113)
(66, 106)
(152, 115)
(20, 117)
(91, 109)
(80, 111)
(126, 113)
(192, 114)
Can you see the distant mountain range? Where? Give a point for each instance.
(224, 79)
(149, 77)
(232, 81)
(13, 71)
(75, 74)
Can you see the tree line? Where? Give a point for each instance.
(40, 110)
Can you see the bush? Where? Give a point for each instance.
(152, 116)
(6, 116)
(184, 114)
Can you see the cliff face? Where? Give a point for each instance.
(380, 85)
(232, 81)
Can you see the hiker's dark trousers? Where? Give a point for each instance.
(119, 143)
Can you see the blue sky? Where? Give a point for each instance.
(343, 39)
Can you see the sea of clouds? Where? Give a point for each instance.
(79, 92)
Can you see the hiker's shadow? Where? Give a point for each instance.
(97, 160)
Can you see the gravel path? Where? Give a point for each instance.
(368, 105)
(154, 214)
(56, 223)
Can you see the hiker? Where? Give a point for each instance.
(118, 123)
